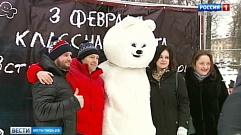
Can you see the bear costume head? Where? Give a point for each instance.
(130, 43)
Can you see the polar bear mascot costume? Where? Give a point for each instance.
(129, 46)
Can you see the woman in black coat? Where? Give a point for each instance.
(169, 106)
(207, 93)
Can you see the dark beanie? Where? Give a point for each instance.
(86, 49)
(59, 47)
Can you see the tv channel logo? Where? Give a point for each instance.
(213, 7)
(20, 130)
(36, 130)
(209, 7)
(225, 7)
(46, 130)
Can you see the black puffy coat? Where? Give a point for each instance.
(168, 112)
(206, 99)
(55, 105)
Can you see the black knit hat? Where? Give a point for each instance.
(59, 47)
(86, 48)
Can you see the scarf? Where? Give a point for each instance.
(158, 75)
(200, 77)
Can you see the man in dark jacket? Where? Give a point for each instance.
(230, 118)
(55, 105)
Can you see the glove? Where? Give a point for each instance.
(181, 131)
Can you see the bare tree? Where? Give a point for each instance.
(236, 30)
(208, 30)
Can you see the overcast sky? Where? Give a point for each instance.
(223, 27)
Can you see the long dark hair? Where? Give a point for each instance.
(172, 61)
(196, 57)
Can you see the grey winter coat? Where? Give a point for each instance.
(230, 118)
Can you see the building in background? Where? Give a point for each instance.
(221, 49)
(225, 58)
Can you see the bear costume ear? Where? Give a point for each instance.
(151, 24)
(130, 21)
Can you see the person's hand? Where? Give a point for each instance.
(230, 90)
(181, 131)
(80, 98)
(45, 77)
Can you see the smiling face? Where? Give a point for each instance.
(132, 51)
(163, 61)
(137, 51)
(92, 61)
(203, 65)
(64, 60)
(130, 43)
(5, 7)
